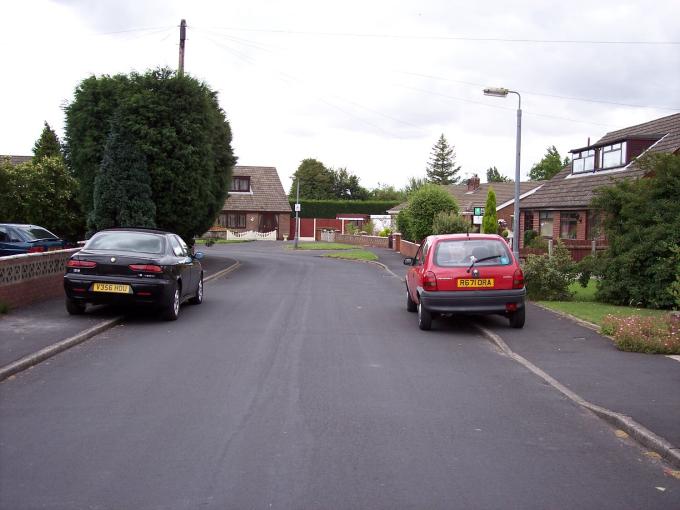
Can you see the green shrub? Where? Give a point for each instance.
(490, 219)
(548, 278)
(588, 267)
(644, 334)
(351, 228)
(387, 231)
(423, 206)
(331, 208)
(538, 243)
(529, 236)
(404, 223)
(449, 223)
(4, 308)
(368, 227)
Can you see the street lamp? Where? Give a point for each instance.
(502, 92)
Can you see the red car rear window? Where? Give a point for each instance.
(459, 253)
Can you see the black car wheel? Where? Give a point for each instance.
(517, 319)
(424, 318)
(410, 305)
(198, 297)
(74, 307)
(171, 311)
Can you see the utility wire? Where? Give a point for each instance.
(448, 37)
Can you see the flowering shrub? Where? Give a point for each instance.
(644, 334)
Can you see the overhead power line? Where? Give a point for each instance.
(448, 37)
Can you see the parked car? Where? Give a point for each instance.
(134, 266)
(465, 274)
(16, 239)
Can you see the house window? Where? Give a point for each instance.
(236, 220)
(528, 220)
(594, 225)
(546, 222)
(613, 156)
(568, 224)
(240, 184)
(583, 161)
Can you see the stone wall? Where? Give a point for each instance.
(26, 279)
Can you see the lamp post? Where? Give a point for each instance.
(501, 92)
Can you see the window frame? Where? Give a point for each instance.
(238, 216)
(583, 157)
(569, 219)
(545, 215)
(241, 178)
(619, 147)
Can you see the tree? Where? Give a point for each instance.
(642, 225)
(414, 184)
(423, 206)
(441, 167)
(122, 188)
(385, 192)
(490, 219)
(48, 144)
(549, 166)
(316, 181)
(450, 223)
(180, 130)
(493, 175)
(345, 185)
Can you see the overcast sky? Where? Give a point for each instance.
(366, 85)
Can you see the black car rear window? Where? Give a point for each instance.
(459, 252)
(126, 241)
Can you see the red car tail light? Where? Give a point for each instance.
(518, 279)
(510, 307)
(81, 263)
(430, 281)
(36, 249)
(145, 268)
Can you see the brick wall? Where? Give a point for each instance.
(408, 249)
(373, 241)
(26, 279)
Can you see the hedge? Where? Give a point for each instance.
(331, 208)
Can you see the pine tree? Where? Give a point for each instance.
(47, 145)
(441, 167)
(122, 188)
(490, 219)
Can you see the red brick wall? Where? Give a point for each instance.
(26, 279)
(408, 249)
(374, 241)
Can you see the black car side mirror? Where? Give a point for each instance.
(198, 255)
(409, 261)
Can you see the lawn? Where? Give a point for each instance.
(325, 246)
(353, 255)
(585, 307)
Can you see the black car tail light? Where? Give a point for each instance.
(430, 281)
(36, 249)
(146, 268)
(81, 263)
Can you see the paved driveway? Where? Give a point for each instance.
(302, 382)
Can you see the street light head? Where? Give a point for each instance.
(496, 92)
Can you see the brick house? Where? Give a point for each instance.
(472, 195)
(256, 202)
(560, 209)
(16, 160)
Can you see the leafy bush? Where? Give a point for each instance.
(368, 227)
(644, 334)
(548, 278)
(387, 231)
(529, 236)
(449, 223)
(404, 223)
(490, 219)
(4, 307)
(589, 266)
(331, 208)
(423, 206)
(538, 243)
(642, 225)
(351, 228)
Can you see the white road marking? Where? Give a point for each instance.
(675, 357)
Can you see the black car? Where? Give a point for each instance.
(134, 266)
(17, 238)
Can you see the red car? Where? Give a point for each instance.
(465, 274)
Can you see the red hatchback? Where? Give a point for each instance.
(465, 274)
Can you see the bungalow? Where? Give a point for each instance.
(256, 202)
(471, 199)
(561, 209)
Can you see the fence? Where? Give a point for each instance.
(248, 235)
(26, 279)
(578, 249)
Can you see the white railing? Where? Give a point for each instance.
(328, 236)
(251, 235)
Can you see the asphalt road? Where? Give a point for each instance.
(303, 383)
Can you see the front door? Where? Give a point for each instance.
(268, 222)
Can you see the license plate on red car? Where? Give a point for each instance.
(475, 283)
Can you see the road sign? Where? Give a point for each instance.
(298, 208)
(479, 211)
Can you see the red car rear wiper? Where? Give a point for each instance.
(474, 260)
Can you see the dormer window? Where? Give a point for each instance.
(613, 156)
(583, 161)
(240, 184)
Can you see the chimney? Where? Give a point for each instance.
(473, 183)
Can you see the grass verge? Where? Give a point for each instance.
(325, 246)
(352, 255)
(225, 241)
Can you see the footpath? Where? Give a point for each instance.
(643, 387)
(36, 332)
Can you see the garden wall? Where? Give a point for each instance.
(373, 241)
(26, 279)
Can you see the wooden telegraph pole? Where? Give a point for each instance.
(182, 38)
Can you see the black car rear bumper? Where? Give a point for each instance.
(145, 291)
(472, 301)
